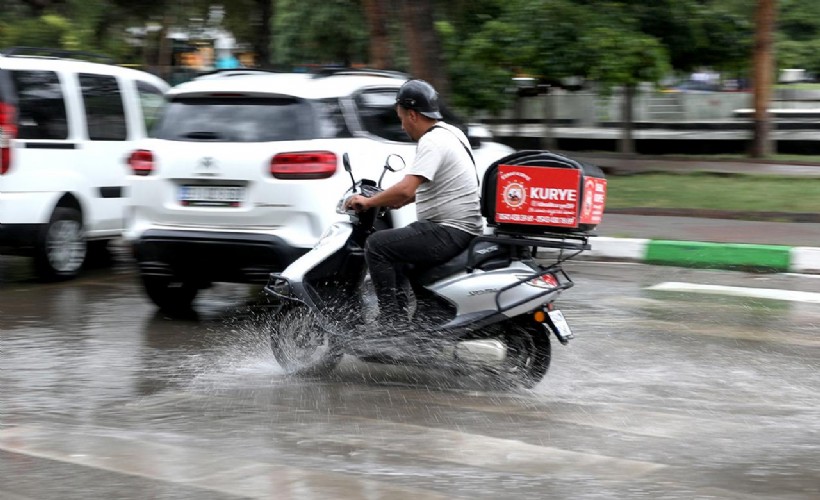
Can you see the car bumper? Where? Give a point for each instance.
(18, 239)
(209, 257)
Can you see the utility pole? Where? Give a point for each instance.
(762, 144)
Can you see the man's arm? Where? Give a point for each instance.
(396, 196)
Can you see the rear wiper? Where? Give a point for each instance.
(204, 135)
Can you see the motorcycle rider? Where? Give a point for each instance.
(442, 181)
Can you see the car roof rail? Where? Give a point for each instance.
(344, 70)
(226, 72)
(48, 52)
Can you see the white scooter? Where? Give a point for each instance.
(489, 308)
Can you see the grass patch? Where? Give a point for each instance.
(799, 86)
(786, 158)
(714, 192)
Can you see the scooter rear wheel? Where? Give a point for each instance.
(300, 345)
(528, 354)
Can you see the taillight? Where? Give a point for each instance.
(304, 165)
(8, 131)
(545, 281)
(141, 162)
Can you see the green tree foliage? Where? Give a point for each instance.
(539, 38)
(320, 32)
(695, 33)
(798, 37)
(551, 40)
(485, 42)
(48, 30)
(480, 68)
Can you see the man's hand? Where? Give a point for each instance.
(396, 196)
(357, 202)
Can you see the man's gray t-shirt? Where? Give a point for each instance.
(450, 196)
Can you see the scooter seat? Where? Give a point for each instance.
(488, 255)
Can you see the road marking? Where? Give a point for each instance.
(641, 422)
(497, 454)
(194, 467)
(738, 291)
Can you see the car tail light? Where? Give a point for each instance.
(304, 165)
(8, 131)
(141, 162)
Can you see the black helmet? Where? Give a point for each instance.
(420, 96)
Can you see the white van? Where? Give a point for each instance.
(67, 127)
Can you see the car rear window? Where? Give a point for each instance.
(42, 110)
(377, 111)
(243, 119)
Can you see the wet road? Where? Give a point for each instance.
(661, 395)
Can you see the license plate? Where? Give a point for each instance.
(560, 325)
(211, 195)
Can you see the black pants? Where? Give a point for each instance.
(421, 243)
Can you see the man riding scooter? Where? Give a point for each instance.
(443, 183)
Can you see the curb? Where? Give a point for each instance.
(732, 256)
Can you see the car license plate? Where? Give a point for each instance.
(229, 196)
(560, 324)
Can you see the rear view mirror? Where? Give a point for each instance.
(394, 163)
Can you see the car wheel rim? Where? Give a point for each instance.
(66, 247)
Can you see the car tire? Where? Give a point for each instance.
(61, 247)
(169, 294)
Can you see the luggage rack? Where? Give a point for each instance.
(554, 269)
(575, 242)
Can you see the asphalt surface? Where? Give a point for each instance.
(662, 394)
(710, 230)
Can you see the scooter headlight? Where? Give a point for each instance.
(340, 207)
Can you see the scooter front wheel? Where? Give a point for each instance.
(300, 345)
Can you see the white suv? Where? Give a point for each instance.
(67, 127)
(243, 172)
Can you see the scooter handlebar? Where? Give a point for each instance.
(364, 188)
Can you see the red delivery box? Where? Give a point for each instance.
(541, 191)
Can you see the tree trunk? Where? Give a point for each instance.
(423, 44)
(165, 49)
(38, 7)
(262, 41)
(381, 56)
(763, 68)
(627, 143)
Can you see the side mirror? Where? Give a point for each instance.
(394, 163)
(346, 163)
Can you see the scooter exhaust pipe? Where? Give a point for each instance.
(489, 352)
